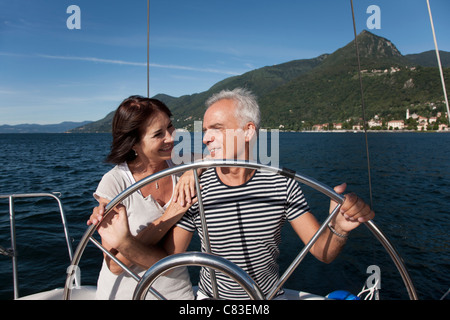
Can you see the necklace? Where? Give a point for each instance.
(140, 172)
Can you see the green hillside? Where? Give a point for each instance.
(325, 89)
(331, 92)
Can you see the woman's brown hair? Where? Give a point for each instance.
(129, 124)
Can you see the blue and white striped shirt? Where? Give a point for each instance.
(244, 226)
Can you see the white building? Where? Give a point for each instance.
(414, 116)
(374, 123)
(396, 124)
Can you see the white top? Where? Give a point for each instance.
(141, 212)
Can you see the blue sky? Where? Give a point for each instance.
(50, 73)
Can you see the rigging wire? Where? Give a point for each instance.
(439, 60)
(374, 292)
(445, 294)
(363, 107)
(443, 83)
(148, 48)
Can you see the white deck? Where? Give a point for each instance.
(88, 293)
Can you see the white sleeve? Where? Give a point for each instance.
(110, 186)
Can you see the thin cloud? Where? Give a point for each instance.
(92, 59)
(194, 69)
(128, 63)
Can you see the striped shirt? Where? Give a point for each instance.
(244, 226)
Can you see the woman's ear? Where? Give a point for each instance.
(135, 149)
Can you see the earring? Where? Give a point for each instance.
(135, 153)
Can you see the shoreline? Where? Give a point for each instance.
(263, 129)
(361, 131)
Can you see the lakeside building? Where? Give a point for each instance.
(423, 123)
(396, 125)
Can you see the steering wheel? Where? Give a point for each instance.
(214, 262)
(201, 259)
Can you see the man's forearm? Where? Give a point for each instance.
(329, 245)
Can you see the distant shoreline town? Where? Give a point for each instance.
(412, 122)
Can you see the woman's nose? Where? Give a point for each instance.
(169, 138)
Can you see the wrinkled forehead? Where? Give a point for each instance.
(221, 114)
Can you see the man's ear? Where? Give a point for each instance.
(250, 131)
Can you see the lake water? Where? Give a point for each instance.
(410, 174)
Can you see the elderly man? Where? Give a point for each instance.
(245, 208)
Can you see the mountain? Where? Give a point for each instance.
(102, 125)
(42, 128)
(188, 108)
(326, 89)
(331, 92)
(428, 58)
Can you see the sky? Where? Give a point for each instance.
(58, 64)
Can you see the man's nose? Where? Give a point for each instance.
(208, 138)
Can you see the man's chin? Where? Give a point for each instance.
(215, 155)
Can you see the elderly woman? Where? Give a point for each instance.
(142, 145)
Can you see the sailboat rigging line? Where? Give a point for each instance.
(439, 61)
(363, 106)
(148, 48)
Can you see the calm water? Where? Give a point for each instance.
(410, 177)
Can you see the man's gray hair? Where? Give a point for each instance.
(247, 109)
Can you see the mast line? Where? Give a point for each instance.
(439, 61)
(363, 106)
(148, 48)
